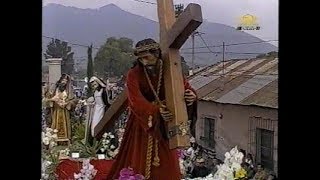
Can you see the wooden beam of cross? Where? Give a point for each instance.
(173, 34)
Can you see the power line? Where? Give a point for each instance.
(75, 44)
(204, 42)
(234, 44)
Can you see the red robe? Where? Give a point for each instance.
(133, 150)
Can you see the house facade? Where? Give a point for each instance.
(238, 106)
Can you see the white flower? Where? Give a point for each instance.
(54, 136)
(234, 151)
(45, 141)
(52, 144)
(48, 134)
(45, 176)
(55, 130)
(235, 166)
(105, 135)
(43, 135)
(107, 141)
(48, 163)
(77, 176)
(111, 136)
(102, 149)
(112, 147)
(227, 155)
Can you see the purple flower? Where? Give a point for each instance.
(126, 172)
(139, 177)
(180, 153)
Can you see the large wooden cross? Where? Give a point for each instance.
(173, 34)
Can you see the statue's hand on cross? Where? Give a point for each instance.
(189, 96)
(165, 113)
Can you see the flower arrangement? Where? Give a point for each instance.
(120, 134)
(49, 164)
(181, 155)
(128, 174)
(49, 137)
(44, 166)
(240, 174)
(107, 146)
(50, 157)
(64, 153)
(232, 163)
(231, 168)
(87, 172)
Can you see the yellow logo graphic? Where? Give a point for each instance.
(248, 22)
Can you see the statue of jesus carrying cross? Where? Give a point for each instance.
(145, 144)
(160, 100)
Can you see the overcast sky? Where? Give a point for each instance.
(219, 11)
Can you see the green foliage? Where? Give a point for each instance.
(85, 149)
(79, 130)
(51, 169)
(60, 49)
(52, 155)
(115, 57)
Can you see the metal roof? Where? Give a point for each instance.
(244, 82)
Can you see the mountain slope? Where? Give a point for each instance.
(85, 26)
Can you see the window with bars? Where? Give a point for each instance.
(209, 130)
(265, 147)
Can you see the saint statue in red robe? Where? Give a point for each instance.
(145, 144)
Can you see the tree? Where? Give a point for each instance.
(60, 49)
(89, 69)
(115, 57)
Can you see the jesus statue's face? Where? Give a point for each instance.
(148, 59)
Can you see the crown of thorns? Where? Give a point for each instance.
(153, 46)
